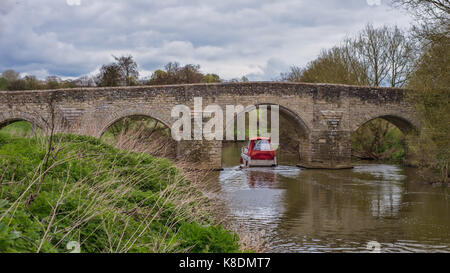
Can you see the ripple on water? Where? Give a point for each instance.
(382, 171)
(338, 211)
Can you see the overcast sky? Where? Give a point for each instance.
(233, 38)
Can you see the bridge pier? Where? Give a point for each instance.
(328, 149)
(202, 154)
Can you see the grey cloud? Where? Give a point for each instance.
(270, 71)
(232, 38)
(6, 6)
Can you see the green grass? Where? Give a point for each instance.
(108, 200)
(21, 129)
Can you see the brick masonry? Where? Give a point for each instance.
(326, 114)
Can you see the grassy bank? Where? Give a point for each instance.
(108, 200)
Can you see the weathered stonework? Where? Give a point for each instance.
(326, 114)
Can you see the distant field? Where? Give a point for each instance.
(21, 129)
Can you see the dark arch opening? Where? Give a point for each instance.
(404, 125)
(20, 128)
(382, 139)
(293, 137)
(141, 133)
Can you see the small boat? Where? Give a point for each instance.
(258, 153)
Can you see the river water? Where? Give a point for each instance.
(299, 210)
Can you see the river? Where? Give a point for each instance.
(299, 210)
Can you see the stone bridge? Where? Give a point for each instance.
(325, 115)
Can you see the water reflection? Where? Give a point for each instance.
(260, 179)
(388, 188)
(338, 211)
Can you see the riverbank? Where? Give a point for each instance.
(70, 190)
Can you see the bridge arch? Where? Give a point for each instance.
(301, 126)
(9, 118)
(404, 123)
(115, 117)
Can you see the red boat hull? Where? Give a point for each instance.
(259, 153)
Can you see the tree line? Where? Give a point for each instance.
(122, 72)
(382, 56)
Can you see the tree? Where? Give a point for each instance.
(110, 75)
(294, 75)
(244, 79)
(190, 73)
(432, 17)
(401, 57)
(376, 56)
(128, 68)
(211, 78)
(68, 84)
(32, 83)
(159, 77)
(52, 82)
(176, 74)
(29, 82)
(85, 81)
(3, 83)
(430, 83)
(18, 84)
(119, 73)
(387, 53)
(335, 65)
(372, 50)
(10, 75)
(236, 80)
